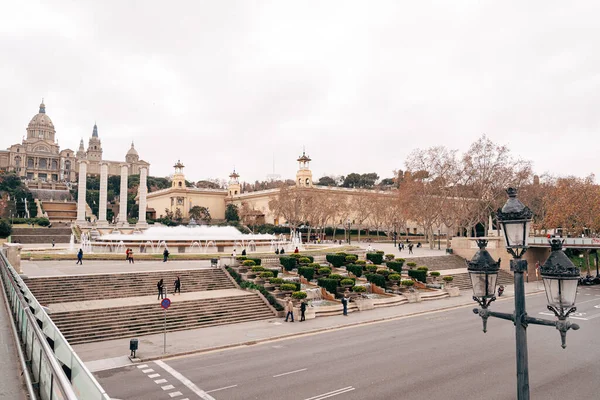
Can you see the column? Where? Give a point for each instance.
(142, 201)
(122, 220)
(103, 194)
(81, 191)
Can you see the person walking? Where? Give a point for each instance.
(165, 255)
(345, 304)
(289, 308)
(277, 250)
(160, 287)
(52, 242)
(282, 251)
(177, 286)
(410, 247)
(234, 253)
(302, 310)
(127, 254)
(130, 257)
(244, 252)
(79, 257)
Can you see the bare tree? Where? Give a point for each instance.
(362, 207)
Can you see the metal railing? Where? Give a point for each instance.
(54, 370)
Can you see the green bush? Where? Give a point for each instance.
(411, 264)
(307, 272)
(237, 277)
(418, 274)
(257, 261)
(375, 258)
(423, 268)
(257, 268)
(347, 281)
(394, 277)
(389, 257)
(359, 289)
(376, 279)
(43, 221)
(249, 285)
(361, 262)
(337, 260)
(395, 266)
(336, 276)
(276, 281)
(341, 253)
(448, 278)
(434, 273)
(287, 286)
(241, 258)
(324, 271)
(407, 283)
(299, 295)
(274, 271)
(351, 258)
(314, 265)
(5, 229)
(371, 268)
(383, 271)
(330, 285)
(296, 255)
(248, 263)
(266, 274)
(304, 260)
(355, 269)
(288, 263)
(400, 260)
(379, 252)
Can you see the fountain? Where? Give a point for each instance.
(72, 243)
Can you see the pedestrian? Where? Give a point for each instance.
(302, 310)
(289, 308)
(79, 257)
(177, 286)
(345, 304)
(234, 254)
(370, 248)
(127, 254)
(244, 252)
(165, 255)
(296, 251)
(277, 250)
(399, 246)
(410, 247)
(282, 251)
(160, 286)
(131, 257)
(52, 242)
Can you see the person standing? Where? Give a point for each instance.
(160, 287)
(131, 257)
(296, 251)
(282, 251)
(79, 257)
(234, 254)
(244, 252)
(165, 255)
(177, 286)
(410, 247)
(127, 254)
(289, 308)
(345, 304)
(52, 242)
(302, 310)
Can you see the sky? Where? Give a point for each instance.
(359, 85)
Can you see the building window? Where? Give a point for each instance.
(179, 184)
(43, 163)
(17, 161)
(307, 182)
(67, 165)
(54, 164)
(235, 192)
(30, 163)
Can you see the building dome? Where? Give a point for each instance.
(41, 119)
(132, 151)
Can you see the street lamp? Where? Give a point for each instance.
(439, 233)
(348, 224)
(558, 272)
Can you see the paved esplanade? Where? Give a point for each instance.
(11, 382)
(441, 355)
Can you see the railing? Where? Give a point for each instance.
(54, 370)
(569, 242)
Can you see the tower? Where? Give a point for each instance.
(304, 174)
(81, 152)
(178, 177)
(234, 186)
(94, 151)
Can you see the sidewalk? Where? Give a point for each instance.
(11, 383)
(112, 354)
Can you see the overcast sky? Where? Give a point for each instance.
(220, 84)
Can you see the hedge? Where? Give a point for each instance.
(299, 295)
(395, 266)
(371, 268)
(324, 271)
(355, 269)
(287, 286)
(375, 258)
(383, 271)
(257, 261)
(249, 285)
(394, 277)
(411, 264)
(274, 271)
(289, 263)
(257, 268)
(336, 276)
(360, 262)
(351, 258)
(377, 279)
(347, 281)
(337, 260)
(418, 274)
(434, 273)
(304, 260)
(423, 268)
(359, 289)
(330, 285)
(276, 281)
(266, 274)
(407, 282)
(307, 272)
(389, 257)
(448, 278)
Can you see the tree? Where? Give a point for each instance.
(326, 181)
(5, 229)
(207, 185)
(200, 213)
(361, 206)
(231, 213)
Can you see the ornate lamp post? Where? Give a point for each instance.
(558, 272)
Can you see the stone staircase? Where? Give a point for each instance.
(41, 235)
(463, 281)
(62, 289)
(126, 322)
(60, 210)
(438, 263)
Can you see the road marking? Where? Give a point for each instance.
(175, 394)
(167, 387)
(153, 376)
(142, 366)
(291, 372)
(332, 393)
(201, 393)
(223, 388)
(570, 317)
(146, 371)
(159, 381)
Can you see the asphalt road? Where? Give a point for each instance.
(441, 355)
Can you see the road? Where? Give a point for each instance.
(441, 355)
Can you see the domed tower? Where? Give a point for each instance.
(94, 151)
(178, 177)
(234, 186)
(132, 155)
(81, 155)
(41, 127)
(304, 174)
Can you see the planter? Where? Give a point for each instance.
(452, 291)
(259, 281)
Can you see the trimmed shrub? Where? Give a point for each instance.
(241, 258)
(389, 257)
(257, 261)
(249, 285)
(361, 262)
(394, 277)
(417, 274)
(299, 295)
(411, 264)
(394, 266)
(448, 278)
(400, 260)
(43, 221)
(380, 252)
(330, 285)
(351, 258)
(434, 273)
(304, 260)
(423, 268)
(371, 268)
(355, 269)
(307, 272)
(341, 253)
(407, 283)
(336, 276)
(274, 271)
(359, 289)
(375, 258)
(346, 282)
(287, 286)
(377, 279)
(266, 274)
(296, 255)
(383, 271)
(257, 268)
(248, 263)
(276, 281)
(324, 271)
(314, 265)
(337, 260)
(289, 263)
(5, 229)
